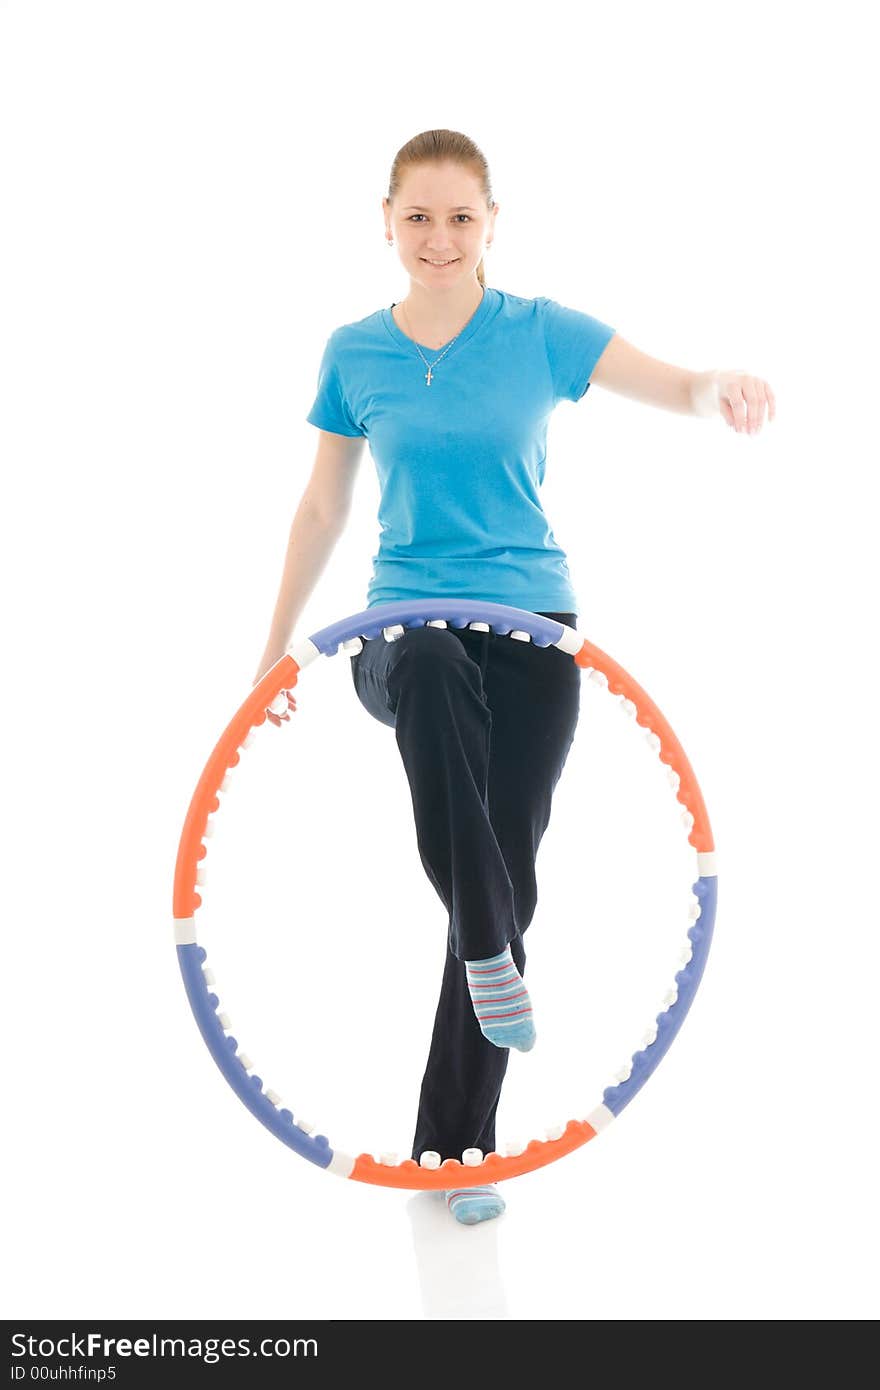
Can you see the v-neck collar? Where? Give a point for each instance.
(465, 333)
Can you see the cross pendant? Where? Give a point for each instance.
(428, 378)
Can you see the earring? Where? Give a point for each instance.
(389, 241)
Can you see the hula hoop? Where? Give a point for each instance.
(392, 620)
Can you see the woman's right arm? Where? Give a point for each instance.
(319, 521)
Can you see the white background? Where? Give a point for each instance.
(191, 203)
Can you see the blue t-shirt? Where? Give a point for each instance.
(461, 461)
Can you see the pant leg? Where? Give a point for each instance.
(534, 694)
(428, 684)
(462, 1083)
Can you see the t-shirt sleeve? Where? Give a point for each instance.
(574, 341)
(331, 410)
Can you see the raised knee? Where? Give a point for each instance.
(433, 655)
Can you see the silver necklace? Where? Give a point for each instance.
(432, 365)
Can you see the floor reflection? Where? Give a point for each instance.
(458, 1268)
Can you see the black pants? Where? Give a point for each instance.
(484, 724)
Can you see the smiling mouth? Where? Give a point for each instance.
(439, 265)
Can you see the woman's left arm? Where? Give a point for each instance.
(738, 397)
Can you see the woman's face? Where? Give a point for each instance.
(440, 214)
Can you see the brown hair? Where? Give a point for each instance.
(438, 147)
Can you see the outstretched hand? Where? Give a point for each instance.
(740, 398)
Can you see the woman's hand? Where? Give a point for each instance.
(279, 711)
(740, 399)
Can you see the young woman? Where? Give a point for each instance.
(453, 387)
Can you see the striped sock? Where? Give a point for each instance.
(472, 1204)
(501, 1001)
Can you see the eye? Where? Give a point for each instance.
(421, 214)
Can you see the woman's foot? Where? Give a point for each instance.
(501, 1001)
(472, 1204)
